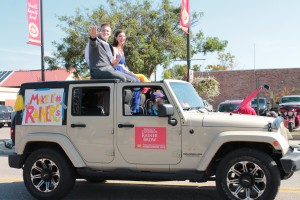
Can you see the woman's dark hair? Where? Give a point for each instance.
(115, 42)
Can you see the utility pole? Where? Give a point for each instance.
(42, 43)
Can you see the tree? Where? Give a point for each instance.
(154, 36)
(178, 72)
(207, 87)
(226, 62)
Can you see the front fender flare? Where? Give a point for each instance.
(245, 136)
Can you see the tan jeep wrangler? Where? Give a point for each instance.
(71, 130)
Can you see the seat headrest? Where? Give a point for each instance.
(127, 96)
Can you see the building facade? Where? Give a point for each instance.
(237, 84)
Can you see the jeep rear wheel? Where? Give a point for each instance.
(48, 174)
(248, 174)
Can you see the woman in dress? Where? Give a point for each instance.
(118, 63)
(119, 57)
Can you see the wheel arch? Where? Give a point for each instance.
(231, 146)
(230, 140)
(56, 141)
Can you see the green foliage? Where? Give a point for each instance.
(226, 62)
(177, 72)
(207, 87)
(154, 36)
(216, 67)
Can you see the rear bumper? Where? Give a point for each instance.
(291, 161)
(5, 120)
(15, 160)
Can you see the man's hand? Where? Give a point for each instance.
(93, 32)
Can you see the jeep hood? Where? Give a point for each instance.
(214, 119)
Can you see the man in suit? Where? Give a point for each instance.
(101, 56)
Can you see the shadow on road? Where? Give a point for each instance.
(116, 191)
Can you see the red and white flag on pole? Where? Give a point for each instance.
(33, 16)
(185, 16)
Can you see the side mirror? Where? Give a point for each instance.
(167, 110)
(277, 102)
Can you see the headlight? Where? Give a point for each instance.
(285, 113)
(290, 113)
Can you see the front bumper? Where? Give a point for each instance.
(291, 160)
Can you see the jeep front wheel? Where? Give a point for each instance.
(248, 174)
(48, 174)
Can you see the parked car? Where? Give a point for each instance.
(264, 105)
(289, 100)
(228, 105)
(5, 116)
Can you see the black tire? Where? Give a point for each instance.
(1, 125)
(235, 178)
(290, 125)
(54, 173)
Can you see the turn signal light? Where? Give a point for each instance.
(275, 143)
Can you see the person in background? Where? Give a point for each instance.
(101, 56)
(156, 98)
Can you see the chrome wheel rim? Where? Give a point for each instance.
(246, 180)
(45, 175)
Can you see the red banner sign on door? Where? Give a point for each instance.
(150, 137)
(33, 16)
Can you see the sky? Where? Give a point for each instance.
(261, 34)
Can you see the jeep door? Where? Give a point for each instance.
(90, 121)
(141, 138)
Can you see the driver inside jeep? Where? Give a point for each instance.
(156, 98)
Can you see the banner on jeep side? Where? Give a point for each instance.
(43, 107)
(150, 137)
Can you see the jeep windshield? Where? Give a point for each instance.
(187, 96)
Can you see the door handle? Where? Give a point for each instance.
(78, 125)
(125, 125)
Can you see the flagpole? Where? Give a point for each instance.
(42, 42)
(188, 55)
